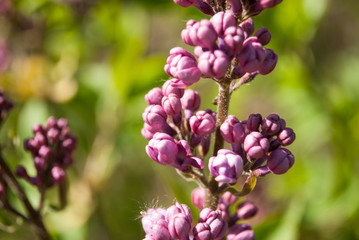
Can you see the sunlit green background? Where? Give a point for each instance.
(92, 61)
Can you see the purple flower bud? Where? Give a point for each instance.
(37, 128)
(154, 96)
(236, 7)
(262, 171)
(241, 232)
(184, 3)
(159, 231)
(203, 7)
(213, 64)
(286, 136)
(272, 124)
(162, 149)
(200, 34)
(269, 3)
(182, 65)
(280, 161)
(183, 160)
(21, 172)
(228, 199)
(147, 131)
(179, 227)
(226, 167)
(234, 37)
(69, 144)
(198, 51)
(205, 145)
(248, 27)
(45, 152)
(274, 144)
(202, 231)
(263, 36)
(252, 55)
(39, 140)
(202, 123)
(53, 135)
(2, 191)
(178, 208)
(62, 123)
(51, 122)
(254, 121)
(40, 163)
(58, 174)
(197, 197)
(237, 72)
(155, 116)
(246, 210)
(232, 130)
(170, 87)
(150, 217)
(171, 104)
(214, 220)
(255, 145)
(269, 62)
(223, 20)
(191, 100)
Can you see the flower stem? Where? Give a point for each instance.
(212, 192)
(35, 219)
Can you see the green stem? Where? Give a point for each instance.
(34, 216)
(212, 192)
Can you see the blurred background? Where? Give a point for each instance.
(92, 61)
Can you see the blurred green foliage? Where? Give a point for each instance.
(92, 61)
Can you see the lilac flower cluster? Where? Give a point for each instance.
(176, 222)
(226, 48)
(257, 140)
(223, 48)
(52, 148)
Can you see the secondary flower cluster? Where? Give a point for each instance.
(52, 148)
(176, 222)
(253, 142)
(169, 132)
(223, 48)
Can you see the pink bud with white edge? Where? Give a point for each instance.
(226, 167)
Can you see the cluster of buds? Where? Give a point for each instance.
(51, 148)
(255, 141)
(226, 48)
(176, 222)
(223, 48)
